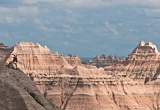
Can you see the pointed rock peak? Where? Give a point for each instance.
(76, 56)
(146, 48)
(103, 56)
(56, 54)
(1, 44)
(142, 43)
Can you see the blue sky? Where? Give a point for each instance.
(81, 27)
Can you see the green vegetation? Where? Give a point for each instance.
(34, 96)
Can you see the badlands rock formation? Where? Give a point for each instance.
(33, 58)
(38, 60)
(104, 61)
(73, 61)
(18, 92)
(132, 84)
(141, 63)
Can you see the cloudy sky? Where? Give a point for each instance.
(81, 27)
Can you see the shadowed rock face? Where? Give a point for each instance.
(17, 92)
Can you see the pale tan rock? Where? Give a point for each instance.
(33, 58)
(142, 62)
(73, 86)
(73, 61)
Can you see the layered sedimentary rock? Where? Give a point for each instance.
(141, 63)
(73, 61)
(104, 60)
(33, 58)
(115, 89)
(128, 85)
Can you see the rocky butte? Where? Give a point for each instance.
(141, 63)
(132, 84)
(104, 61)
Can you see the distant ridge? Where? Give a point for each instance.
(141, 63)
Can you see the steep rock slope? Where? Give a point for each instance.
(119, 89)
(39, 61)
(101, 92)
(141, 63)
(18, 92)
(33, 58)
(74, 61)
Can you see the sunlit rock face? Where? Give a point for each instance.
(73, 61)
(132, 84)
(113, 89)
(145, 48)
(33, 58)
(142, 62)
(101, 92)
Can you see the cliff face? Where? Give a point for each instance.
(33, 58)
(101, 92)
(73, 61)
(128, 85)
(141, 63)
(37, 60)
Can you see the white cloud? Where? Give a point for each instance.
(66, 43)
(20, 10)
(41, 21)
(94, 3)
(111, 28)
(69, 29)
(11, 19)
(152, 12)
(28, 10)
(47, 29)
(6, 10)
(86, 3)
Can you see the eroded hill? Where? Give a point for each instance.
(132, 84)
